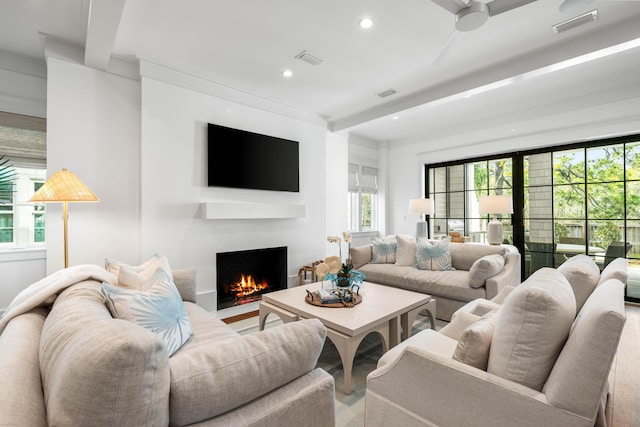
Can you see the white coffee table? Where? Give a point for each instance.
(383, 309)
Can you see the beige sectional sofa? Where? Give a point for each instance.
(527, 361)
(72, 363)
(453, 288)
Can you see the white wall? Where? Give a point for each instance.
(173, 181)
(93, 131)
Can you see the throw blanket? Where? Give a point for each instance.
(44, 291)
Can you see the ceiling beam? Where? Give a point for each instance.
(102, 27)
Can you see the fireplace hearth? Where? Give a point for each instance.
(244, 276)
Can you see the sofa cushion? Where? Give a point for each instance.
(475, 342)
(435, 256)
(97, 370)
(384, 250)
(576, 381)
(617, 269)
(113, 266)
(157, 306)
(533, 325)
(483, 268)
(583, 274)
(465, 254)
(211, 379)
(406, 252)
(361, 255)
(185, 281)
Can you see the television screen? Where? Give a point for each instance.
(242, 159)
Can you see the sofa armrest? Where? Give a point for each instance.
(211, 378)
(423, 388)
(509, 276)
(21, 398)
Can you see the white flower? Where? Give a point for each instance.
(347, 237)
(334, 239)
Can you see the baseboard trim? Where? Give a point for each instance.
(239, 317)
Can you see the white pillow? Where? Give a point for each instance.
(533, 326)
(436, 256)
(157, 307)
(475, 342)
(460, 321)
(132, 277)
(483, 268)
(383, 251)
(406, 252)
(583, 274)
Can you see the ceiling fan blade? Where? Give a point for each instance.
(446, 47)
(453, 6)
(497, 7)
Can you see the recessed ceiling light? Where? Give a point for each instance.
(366, 23)
(396, 117)
(287, 73)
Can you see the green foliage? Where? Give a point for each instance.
(560, 230)
(8, 176)
(605, 234)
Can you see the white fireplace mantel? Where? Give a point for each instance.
(251, 210)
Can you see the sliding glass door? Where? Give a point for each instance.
(578, 199)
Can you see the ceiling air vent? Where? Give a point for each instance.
(386, 93)
(308, 58)
(575, 22)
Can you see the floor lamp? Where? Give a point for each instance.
(421, 207)
(494, 205)
(63, 186)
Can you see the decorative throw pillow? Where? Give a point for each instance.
(384, 250)
(132, 277)
(583, 274)
(406, 252)
(157, 306)
(483, 268)
(475, 342)
(460, 321)
(533, 326)
(433, 256)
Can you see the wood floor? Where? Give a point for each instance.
(625, 409)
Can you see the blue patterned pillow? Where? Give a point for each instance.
(383, 251)
(156, 307)
(434, 256)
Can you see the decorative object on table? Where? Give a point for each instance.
(335, 298)
(63, 186)
(495, 205)
(340, 274)
(421, 207)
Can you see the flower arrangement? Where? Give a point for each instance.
(341, 274)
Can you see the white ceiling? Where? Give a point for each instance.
(246, 45)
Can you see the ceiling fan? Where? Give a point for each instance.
(472, 14)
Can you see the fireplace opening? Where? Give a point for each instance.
(244, 276)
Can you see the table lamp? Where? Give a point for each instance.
(494, 205)
(63, 186)
(421, 207)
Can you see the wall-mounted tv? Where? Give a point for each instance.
(243, 159)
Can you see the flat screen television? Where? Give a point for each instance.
(242, 159)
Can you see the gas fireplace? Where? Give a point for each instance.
(244, 276)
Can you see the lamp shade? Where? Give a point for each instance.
(64, 186)
(495, 205)
(421, 206)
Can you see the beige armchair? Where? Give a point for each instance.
(420, 382)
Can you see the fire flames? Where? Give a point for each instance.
(247, 286)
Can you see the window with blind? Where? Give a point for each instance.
(23, 143)
(362, 198)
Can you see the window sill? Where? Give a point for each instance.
(22, 254)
